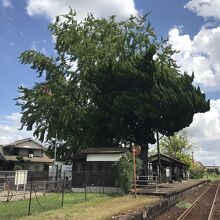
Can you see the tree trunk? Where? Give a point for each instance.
(144, 157)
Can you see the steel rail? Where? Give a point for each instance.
(193, 205)
(213, 204)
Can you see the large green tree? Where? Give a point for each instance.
(177, 144)
(125, 85)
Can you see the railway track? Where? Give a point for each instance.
(206, 207)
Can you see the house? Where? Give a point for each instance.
(171, 168)
(96, 167)
(199, 164)
(24, 154)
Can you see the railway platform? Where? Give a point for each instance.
(169, 189)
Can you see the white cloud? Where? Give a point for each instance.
(208, 123)
(6, 3)
(100, 8)
(200, 54)
(205, 8)
(9, 129)
(205, 130)
(14, 117)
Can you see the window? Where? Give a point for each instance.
(15, 151)
(37, 153)
(23, 152)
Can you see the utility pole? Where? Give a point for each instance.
(54, 161)
(158, 155)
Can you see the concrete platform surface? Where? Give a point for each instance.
(168, 189)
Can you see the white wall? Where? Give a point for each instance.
(103, 157)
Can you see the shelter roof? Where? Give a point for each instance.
(154, 157)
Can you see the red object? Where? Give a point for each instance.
(134, 162)
(137, 150)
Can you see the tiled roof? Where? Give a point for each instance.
(16, 143)
(1, 154)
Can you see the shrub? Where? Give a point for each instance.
(125, 172)
(196, 172)
(213, 171)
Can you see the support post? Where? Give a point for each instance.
(64, 181)
(24, 191)
(29, 207)
(85, 192)
(54, 162)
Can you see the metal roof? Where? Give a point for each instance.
(155, 157)
(103, 150)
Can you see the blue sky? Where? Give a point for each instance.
(192, 26)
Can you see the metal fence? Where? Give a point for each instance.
(96, 181)
(146, 182)
(38, 195)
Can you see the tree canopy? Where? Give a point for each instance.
(177, 144)
(125, 85)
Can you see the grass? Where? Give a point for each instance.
(16, 209)
(212, 177)
(97, 206)
(183, 205)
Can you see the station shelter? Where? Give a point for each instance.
(171, 168)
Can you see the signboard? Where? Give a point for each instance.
(21, 177)
(67, 169)
(136, 149)
(103, 157)
(55, 169)
(167, 172)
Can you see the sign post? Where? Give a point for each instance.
(136, 150)
(21, 179)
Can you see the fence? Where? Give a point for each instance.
(96, 181)
(38, 194)
(147, 182)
